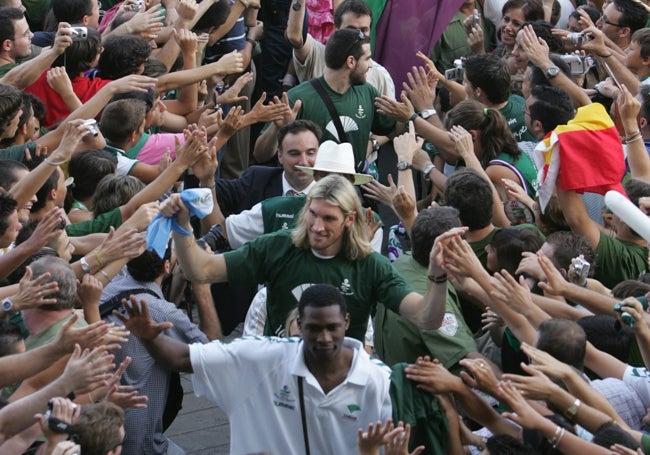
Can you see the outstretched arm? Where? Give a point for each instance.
(170, 353)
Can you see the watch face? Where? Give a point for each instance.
(402, 165)
(552, 71)
(428, 113)
(7, 305)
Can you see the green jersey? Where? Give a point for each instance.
(287, 271)
(356, 110)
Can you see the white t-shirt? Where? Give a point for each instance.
(254, 380)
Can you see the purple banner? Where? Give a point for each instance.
(408, 26)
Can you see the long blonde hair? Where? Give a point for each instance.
(336, 190)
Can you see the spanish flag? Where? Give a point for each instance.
(586, 154)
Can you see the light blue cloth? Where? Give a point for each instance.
(197, 200)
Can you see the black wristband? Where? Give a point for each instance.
(438, 279)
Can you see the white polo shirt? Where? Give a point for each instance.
(254, 381)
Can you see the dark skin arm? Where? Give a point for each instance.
(170, 353)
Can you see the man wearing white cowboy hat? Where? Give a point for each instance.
(281, 212)
(328, 245)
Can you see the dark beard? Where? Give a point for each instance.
(356, 79)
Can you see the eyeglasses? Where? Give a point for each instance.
(360, 37)
(605, 21)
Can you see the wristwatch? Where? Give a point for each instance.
(403, 165)
(7, 306)
(552, 71)
(425, 114)
(85, 267)
(427, 170)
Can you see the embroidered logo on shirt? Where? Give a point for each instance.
(449, 324)
(351, 409)
(360, 112)
(283, 398)
(346, 287)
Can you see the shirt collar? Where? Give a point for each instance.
(356, 375)
(286, 186)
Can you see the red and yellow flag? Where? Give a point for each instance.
(586, 154)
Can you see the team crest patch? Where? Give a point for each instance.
(351, 409)
(449, 324)
(346, 287)
(283, 398)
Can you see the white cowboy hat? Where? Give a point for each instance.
(336, 159)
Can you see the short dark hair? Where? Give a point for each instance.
(428, 225)
(563, 339)
(645, 101)
(504, 444)
(148, 266)
(320, 296)
(633, 14)
(88, 168)
(42, 193)
(610, 433)
(8, 16)
(10, 335)
(538, 76)
(71, 11)
(635, 189)
(489, 73)
(8, 206)
(467, 191)
(11, 101)
(342, 44)
(81, 54)
(358, 7)
(568, 245)
(543, 30)
(509, 243)
(593, 13)
(113, 191)
(602, 333)
(532, 9)
(121, 118)
(552, 107)
(214, 16)
(8, 177)
(642, 37)
(297, 127)
(122, 56)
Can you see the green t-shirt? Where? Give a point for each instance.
(17, 152)
(523, 167)
(513, 111)
(619, 260)
(100, 224)
(4, 69)
(286, 270)
(356, 110)
(281, 212)
(399, 340)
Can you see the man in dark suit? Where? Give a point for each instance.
(297, 146)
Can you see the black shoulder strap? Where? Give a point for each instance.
(303, 415)
(331, 109)
(115, 302)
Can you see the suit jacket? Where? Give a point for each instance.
(254, 185)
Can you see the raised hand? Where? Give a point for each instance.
(34, 293)
(231, 95)
(535, 386)
(432, 376)
(231, 63)
(420, 89)
(290, 113)
(370, 441)
(546, 363)
(88, 367)
(482, 377)
(506, 289)
(59, 81)
(391, 108)
(398, 443)
(139, 321)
